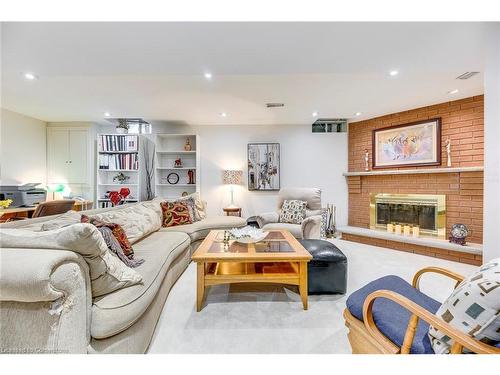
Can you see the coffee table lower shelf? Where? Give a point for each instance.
(290, 273)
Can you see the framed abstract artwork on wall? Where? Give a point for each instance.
(413, 144)
(263, 166)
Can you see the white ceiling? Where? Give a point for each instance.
(155, 70)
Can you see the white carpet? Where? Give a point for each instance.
(270, 319)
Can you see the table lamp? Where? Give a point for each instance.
(56, 188)
(232, 177)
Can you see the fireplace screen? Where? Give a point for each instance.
(423, 210)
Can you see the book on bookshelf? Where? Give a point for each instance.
(113, 143)
(118, 161)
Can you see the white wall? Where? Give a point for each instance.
(22, 149)
(491, 149)
(307, 160)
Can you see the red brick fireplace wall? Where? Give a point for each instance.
(462, 123)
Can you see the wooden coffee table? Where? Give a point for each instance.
(279, 258)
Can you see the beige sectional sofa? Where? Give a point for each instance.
(46, 303)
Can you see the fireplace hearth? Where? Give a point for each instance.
(426, 211)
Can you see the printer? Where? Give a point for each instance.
(24, 195)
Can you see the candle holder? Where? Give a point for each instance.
(406, 230)
(397, 229)
(390, 228)
(416, 231)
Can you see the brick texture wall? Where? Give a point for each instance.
(462, 123)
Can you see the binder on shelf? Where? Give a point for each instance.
(113, 143)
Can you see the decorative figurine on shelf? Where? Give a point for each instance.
(367, 167)
(448, 152)
(178, 163)
(187, 146)
(184, 194)
(458, 234)
(191, 176)
(121, 178)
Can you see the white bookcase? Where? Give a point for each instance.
(170, 147)
(117, 153)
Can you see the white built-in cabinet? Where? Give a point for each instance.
(68, 155)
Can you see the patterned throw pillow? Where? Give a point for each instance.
(117, 231)
(293, 211)
(474, 308)
(175, 213)
(191, 206)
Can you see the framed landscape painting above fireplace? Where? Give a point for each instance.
(413, 144)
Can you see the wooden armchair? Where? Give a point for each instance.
(366, 338)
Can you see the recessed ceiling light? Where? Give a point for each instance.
(30, 76)
(315, 114)
(223, 114)
(107, 114)
(357, 114)
(393, 73)
(452, 92)
(208, 75)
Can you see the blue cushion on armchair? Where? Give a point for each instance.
(392, 319)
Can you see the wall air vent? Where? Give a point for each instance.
(330, 125)
(467, 75)
(275, 105)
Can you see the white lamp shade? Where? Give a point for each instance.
(232, 177)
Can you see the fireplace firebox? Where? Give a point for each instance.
(426, 211)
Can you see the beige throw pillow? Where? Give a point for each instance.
(107, 272)
(138, 220)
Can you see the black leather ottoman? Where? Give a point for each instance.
(327, 271)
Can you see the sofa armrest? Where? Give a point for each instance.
(45, 301)
(267, 218)
(311, 227)
(462, 340)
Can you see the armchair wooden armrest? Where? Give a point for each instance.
(461, 339)
(441, 271)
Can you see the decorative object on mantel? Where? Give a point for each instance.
(190, 174)
(458, 234)
(416, 231)
(390, 228)
(263, 166)
(406, 230)
(122, 127)
(390, 172)
(448, 152)
(173, 178)
(232, 177)
(414, 144)
(367, 158)
(121, 178)
(187, 146)
(397, 229)
(178, 163)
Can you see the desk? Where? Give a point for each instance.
(26, 212)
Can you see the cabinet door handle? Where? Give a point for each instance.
(70, 161)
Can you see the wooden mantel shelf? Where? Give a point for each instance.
(471, 248)
(414, 171)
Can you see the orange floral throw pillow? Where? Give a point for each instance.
(175, 213)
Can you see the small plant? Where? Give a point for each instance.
(121, 178)
(5, 203)
(122, 126)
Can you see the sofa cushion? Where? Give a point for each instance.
(293, 211)
(391, 318)
(117, 311)
(174, 214)
(473, 308)
(138, 220)
(294, 229)
(200, 229)
(107, 272)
